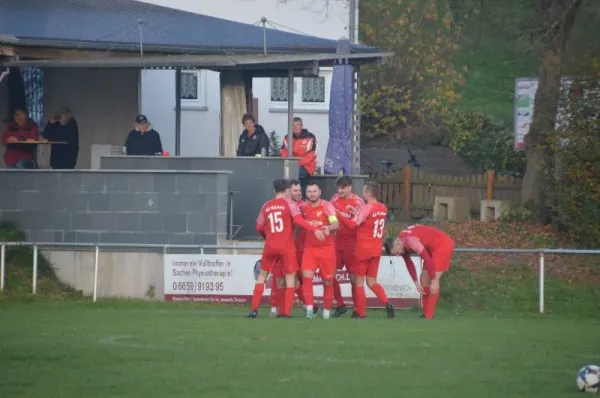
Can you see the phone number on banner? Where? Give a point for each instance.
(193, 287)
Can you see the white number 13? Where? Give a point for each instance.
(378, 228)
(276, 222)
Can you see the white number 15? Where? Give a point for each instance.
(276, 222)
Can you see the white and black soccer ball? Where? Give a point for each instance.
(588, 379)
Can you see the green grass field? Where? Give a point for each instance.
(129, 349)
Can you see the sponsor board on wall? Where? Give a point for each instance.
(229, 279)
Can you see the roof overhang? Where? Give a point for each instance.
(255, 63)
(164, 48)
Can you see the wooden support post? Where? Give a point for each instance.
(406, 190)
(489, 186)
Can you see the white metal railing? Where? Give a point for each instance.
(201, 248)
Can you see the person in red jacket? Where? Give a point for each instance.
(16, 155)
(304, 146)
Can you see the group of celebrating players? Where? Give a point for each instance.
(316, 235)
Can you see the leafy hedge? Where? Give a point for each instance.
(485, 144)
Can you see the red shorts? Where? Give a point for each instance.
(279, 264)
(345, 257)
(322, 260)
(367, 267)
(442, 256)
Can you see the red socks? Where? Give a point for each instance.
(307, 290)
(429, 303)
(379, 292)
(337, 292)
(280, 303)
(259, 288)
(328, 292)
(360, 305)
(353, 287)
(289, 300)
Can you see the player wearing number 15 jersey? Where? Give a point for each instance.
(276, 224)
(370, 221)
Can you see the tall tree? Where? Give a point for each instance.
(554, 21)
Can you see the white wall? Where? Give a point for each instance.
(200, 125)
(103, 101)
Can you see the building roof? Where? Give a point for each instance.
(270, 65)
(122, 24)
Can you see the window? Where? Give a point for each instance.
(190, 83)
(193, 90)
(309, 92)
(313, 89)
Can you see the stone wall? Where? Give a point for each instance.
(250, 183)
(110, 206)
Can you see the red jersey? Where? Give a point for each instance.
(320, 215)
(371, 228)
(276, 219)
(346, 237)
(300, 236)
(419, 237)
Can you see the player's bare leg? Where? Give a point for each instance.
(259, 288)
(327, 297)
(307, 291)
(380, 293)
(429, 300)
(360, 298)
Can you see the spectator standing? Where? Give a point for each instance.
(304, 146)
(143, 140)
(22, 128)
(63, 127)
(254, 141)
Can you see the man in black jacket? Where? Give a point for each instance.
(254, 141)
(143, 140)
(63, 128)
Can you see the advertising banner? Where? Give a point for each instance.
(229, 279)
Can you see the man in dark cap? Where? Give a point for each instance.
(63, 128)
(143, 140)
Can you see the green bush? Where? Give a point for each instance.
(485, 144)
(574, 195)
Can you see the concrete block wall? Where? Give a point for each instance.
(250, 183)
(116, 206)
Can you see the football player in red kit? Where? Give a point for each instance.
(346, 204)
(436, 248)
(319, 254)
(370, 221)
(276, 224)
(277, 284)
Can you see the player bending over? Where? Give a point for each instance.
(370, 221)
(275, 223)
(319, 254)
(346, 204)
(435, 248)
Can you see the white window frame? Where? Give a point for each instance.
(300, 105)
(201, 102)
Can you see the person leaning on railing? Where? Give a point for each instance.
(254, 141)
(304, 146)
(18, 155)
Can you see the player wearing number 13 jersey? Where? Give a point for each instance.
(276, 224)
(370, 221)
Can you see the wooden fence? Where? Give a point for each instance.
(413, 191)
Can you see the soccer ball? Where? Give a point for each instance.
(588, 379)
